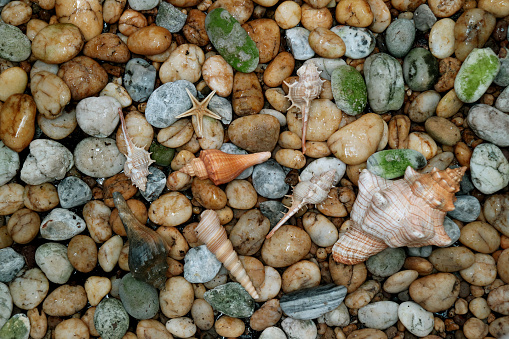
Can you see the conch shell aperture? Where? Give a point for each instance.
(406, 212)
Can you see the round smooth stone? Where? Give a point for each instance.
(380, 315)
(222, 107)
(273, 210)
(466, 208)
(18, 327)
(9, 164)
(502, 78)
(359, 42)
(143, 5)
(168, 101)
(12, 263)
(156, 182)
(255, 133)
(272, 333)
(139, 299)
(502, 102)
(299, 329)
(424, 18)
(98, 157)
(269, 180)
(399, 37)
(230, 148)
(5, 304)
(322, 165)
(29, 288)
(111, 319)
(200, 265)
(14, 45)
(390, 164)
(416, 319)
(297, 41)
(98, 116)
(420, 69)
(61, 224)
(489, 123)
(349, 90)
(72, 192)
(441, 38)
(489, 168)
(387, 262)
(337, 317)
(170, 17)
(52, 258)
(140, 78)
(231, 299)
(423, 252)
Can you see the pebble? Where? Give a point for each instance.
(255, 133)
(497, 300)
(203, 314)
(420, 69)
(109, 253)
(15, 46)
(452, 259)
(97, 288)
(176, 299)
(480, 236)
(5, 304)
(297, 39)
(218, 75)
(399, 37)
(272, 333)
(273, 210)
(73, 192)
(61, 224)
(387, 262)
(29, 288)
(17, 327)
(156, 182)
(13, 263)
(249, 232)
(452, 230)
(443, 131)
(390, 164)
(321, 230)
(483, 272)
(14, 81)
(311, 303)
(65, 300)
(268, 179)
(60, 127)
(139, 299)
(384, 80)
(423, 106)
(349, 90)
(170, 18)
(502, 78)
(111, 319)
(200, 265)
(222, 107)
(48, 160)
(98, 157)
(441, 38)
(489, 168)
(182, 327)
(337, 317)
(476, 74)
(53, 261)
(363, 295)
(380, 315)
(502, 102)
(359, 42)
(322, 165)
(140, 78)
(424, 251)
(500, 327)
(400, 281)
(299, 329)
(9, 164)
(267, 315)
(424, 18)
(286, 247)
(496, 212)
(324, 118)
(435, 292)
(168, 101)
(416, 319)
(231, 299)
(231, 40)
(466, 208)
(489, 123)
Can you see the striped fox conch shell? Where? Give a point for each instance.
(406, 212)
(313, 191)
(221, 167)
(211, 233)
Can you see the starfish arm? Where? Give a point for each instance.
(198, 125)
(186, 114)
(211, 114)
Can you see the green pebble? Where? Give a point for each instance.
(349, 90)
(161, 154)
(140, 299)
(392, 163)
(111, 319)
(14, 45)
(231, 40)
(231, 299)
(18, 327)
(476, 74)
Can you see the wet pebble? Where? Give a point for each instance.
(323, 165)
(111, 319)
(9, 163)
(359, 42)
(502, 102)
(321, 230)
(349, 90)
(286, 247)
(435, 292)
(399, 37)
(231, 299)
(480, 236)
(483, 272)
(156, 182)
(5, 304)
(52, 259)
(420, 69)
(297, 40)
(17, 327)
(400, 281)
(200, 265)
(72, 192)
(15, 46)
(139, 78)
(272, 333)
(416, 319)
(424, 106)
(97, 288)
(268, 180)
(489, 168)
(496, 212)
(170, 18)
(255, 133)
(299, 329)
(273, 210)
(424, 18)
(13, 262)
(29, 289)
(98, 157)
(65, 300)
(390, 164)
(311, 303)
(466, 208)
(441, 38)
(139, 299)
(380, 315)
(387, 262)
(452, 259)
(489, 123)
(48, 160)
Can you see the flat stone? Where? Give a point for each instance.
(156, 182)
(18, 327)
(72, 192)
(200, 265)
(231, 299)
(416, 319)
(399, 37)
(170, 17)
(299, 329)
(420, 69)
(489, 123)
(311, 303)
(12, 263)
(424, 18)
(269, 180)
(390, 164)
(139, 299)
(52, 259)
(466, 208)
(61, 224)
(489, 168)
(14, 45)
(139, 78)
(111, 319)
(297, 41)
(230, 148)
(273, 210)
(380, 315)
(387, 262)
(322, 165)
(5, 304)
(349, 90)
(359, 42)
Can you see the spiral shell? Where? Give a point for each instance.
(221, 167)
(210, 232)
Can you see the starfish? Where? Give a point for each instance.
(198, 111)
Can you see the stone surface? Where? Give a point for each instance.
(200, 265)
(420, 69)
(416, 319)
(61, 224)
(18, 327)
(502, 78)
(139, 299)
(111, 319)
(5, 304)
(467, 208)
(72, 192)
(502, 102)
(387, 262)
(399, 37)
(452, 230)
(14, 46)
(272, 333)
(380, 315)
(143, 5)
(489, 168)
(311, 303)
(297, 40)
(98, 157)
(9, 164)
(52, 259)
(326, 66)
(269, 180)
(390, 164)
(322, 165)
(489, 123)
(299, 329)
(12, 263)
(231, 299)
(424, 18)
(359, 42)
(156, 182)
(273, 210)
(140, 77)
(170, 17)
(349, 90)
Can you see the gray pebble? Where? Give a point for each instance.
(273, 210)
(399, 37)
(380, 315)
(98, 157)
(387, 262)
(200, 265)
(359, 42)
(269, 180)
(452, 230)
(14, 45)
(111, 319)
(230, 148)
(467, 208)
(466, 185)
(424, 18)
(139, 299)
(12, 263)
(72, 192)
(489, 124)
(297, 41)
(5, 304)
(52, 259)
(61, 224)
(502, 78)
(489, 168)
(222, 107)
(168, 101)
(156, 182)
(143, 5)
(231, 299)
(9, 164)
(502, 102)
(139, 79)
(423, 252)
(170, 17)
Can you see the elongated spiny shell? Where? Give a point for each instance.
(210, 232)
(147, 249)
(407, 212)
(313, 191)
(221, 167)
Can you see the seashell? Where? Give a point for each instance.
(138, 159)
(210, 232)
(406, 212)
(313, 191)
(222, 167)
(147, 249)
(302, 92)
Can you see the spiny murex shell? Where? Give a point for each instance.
(211, 233)
(406, 212)
(147, 249)
(313, 191)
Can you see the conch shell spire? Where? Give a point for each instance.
(210, 232)
(221, 167)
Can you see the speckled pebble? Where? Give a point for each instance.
(489, 168)
(29, 288)
(297, 40)
(416, 319)
(139, 79)
(139, 299)
(424, 18)
(143, 5)
(5, 304)
(51, 257)
(72, 192)
(467, 208)
(387, 262)
(9, 164)
(231, 299)
(269, 180)
(12, 263)
(380, 315)
(14, 46)
(399, 37)
(170, 17)
(111, 319)
(299, 329)
(98, 157)
(359, 42)
(18, 327)
(61, 224)
(156, 182)
(200, 265)
(489, 123)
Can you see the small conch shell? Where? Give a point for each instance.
(210, 232)
(147, 249)
(221, 167)
(406, 212)
(313, 191)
